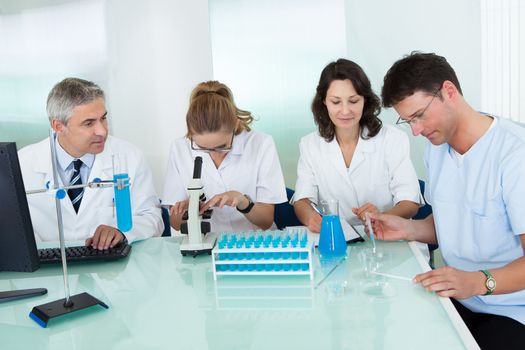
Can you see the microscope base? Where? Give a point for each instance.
(194, 249)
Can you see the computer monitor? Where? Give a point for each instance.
(18, 250)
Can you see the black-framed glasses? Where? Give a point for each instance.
(222, 149)
(418, 116)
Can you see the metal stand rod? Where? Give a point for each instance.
(42, 313)
(94, 184)
(67, 301)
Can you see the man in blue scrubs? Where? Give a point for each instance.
(476, 186)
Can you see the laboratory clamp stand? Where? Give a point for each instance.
(41, 314)
(199, 238)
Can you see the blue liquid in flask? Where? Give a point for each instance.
(332, 239)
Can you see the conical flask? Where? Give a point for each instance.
(332, 239)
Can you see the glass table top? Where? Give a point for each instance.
(159, 299)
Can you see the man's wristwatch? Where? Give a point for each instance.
(249, 207)
(490, 282)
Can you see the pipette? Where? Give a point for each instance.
(392, 276)
(371, 231)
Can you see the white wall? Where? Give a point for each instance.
(41, 43)
(271, 53)
(379, 32)
(148, 55)
(157, 52)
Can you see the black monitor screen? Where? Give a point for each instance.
(17, 241)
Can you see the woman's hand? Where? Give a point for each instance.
(230, 198)
(367, 208)
(314, 222)
(179, 207)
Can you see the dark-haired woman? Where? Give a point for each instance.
(353, 157)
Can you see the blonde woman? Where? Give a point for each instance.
(241, 172)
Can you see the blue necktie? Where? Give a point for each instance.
(76, 194)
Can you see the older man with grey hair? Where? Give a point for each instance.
(84, 150)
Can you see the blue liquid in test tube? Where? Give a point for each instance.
(122, 202)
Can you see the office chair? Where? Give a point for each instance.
(284, 215)
(166, 220)
(422, 213)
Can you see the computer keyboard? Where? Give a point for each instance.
(83, 253)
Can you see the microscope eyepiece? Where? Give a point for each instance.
(197, 168)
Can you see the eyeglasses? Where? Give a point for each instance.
(222, 149)
(418, 116)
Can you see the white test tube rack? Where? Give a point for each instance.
(287, 252)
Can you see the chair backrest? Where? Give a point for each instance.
(284, 215)
(425, 210)
(166, 220)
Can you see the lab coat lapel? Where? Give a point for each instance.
(357, 159)
(337, 162)
(103, 170)
(362, 148)
(237, 150)
(335, 156)
(44, 166)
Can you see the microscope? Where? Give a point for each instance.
(198, 237)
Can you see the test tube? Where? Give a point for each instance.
(304, 239)
(370, 231)
(275, 244)
(267, 240)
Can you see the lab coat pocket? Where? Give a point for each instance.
(106, 215)
(381, 195)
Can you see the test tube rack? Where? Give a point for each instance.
(275, 252)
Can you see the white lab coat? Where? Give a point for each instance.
(252, 167)
(380, 172)
(96, 207)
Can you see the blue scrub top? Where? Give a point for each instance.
(479, 208)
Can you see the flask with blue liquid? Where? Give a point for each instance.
(332, 239)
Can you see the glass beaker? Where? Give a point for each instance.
(332, 239)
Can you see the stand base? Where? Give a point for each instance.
(195, 249)
(42, 313)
